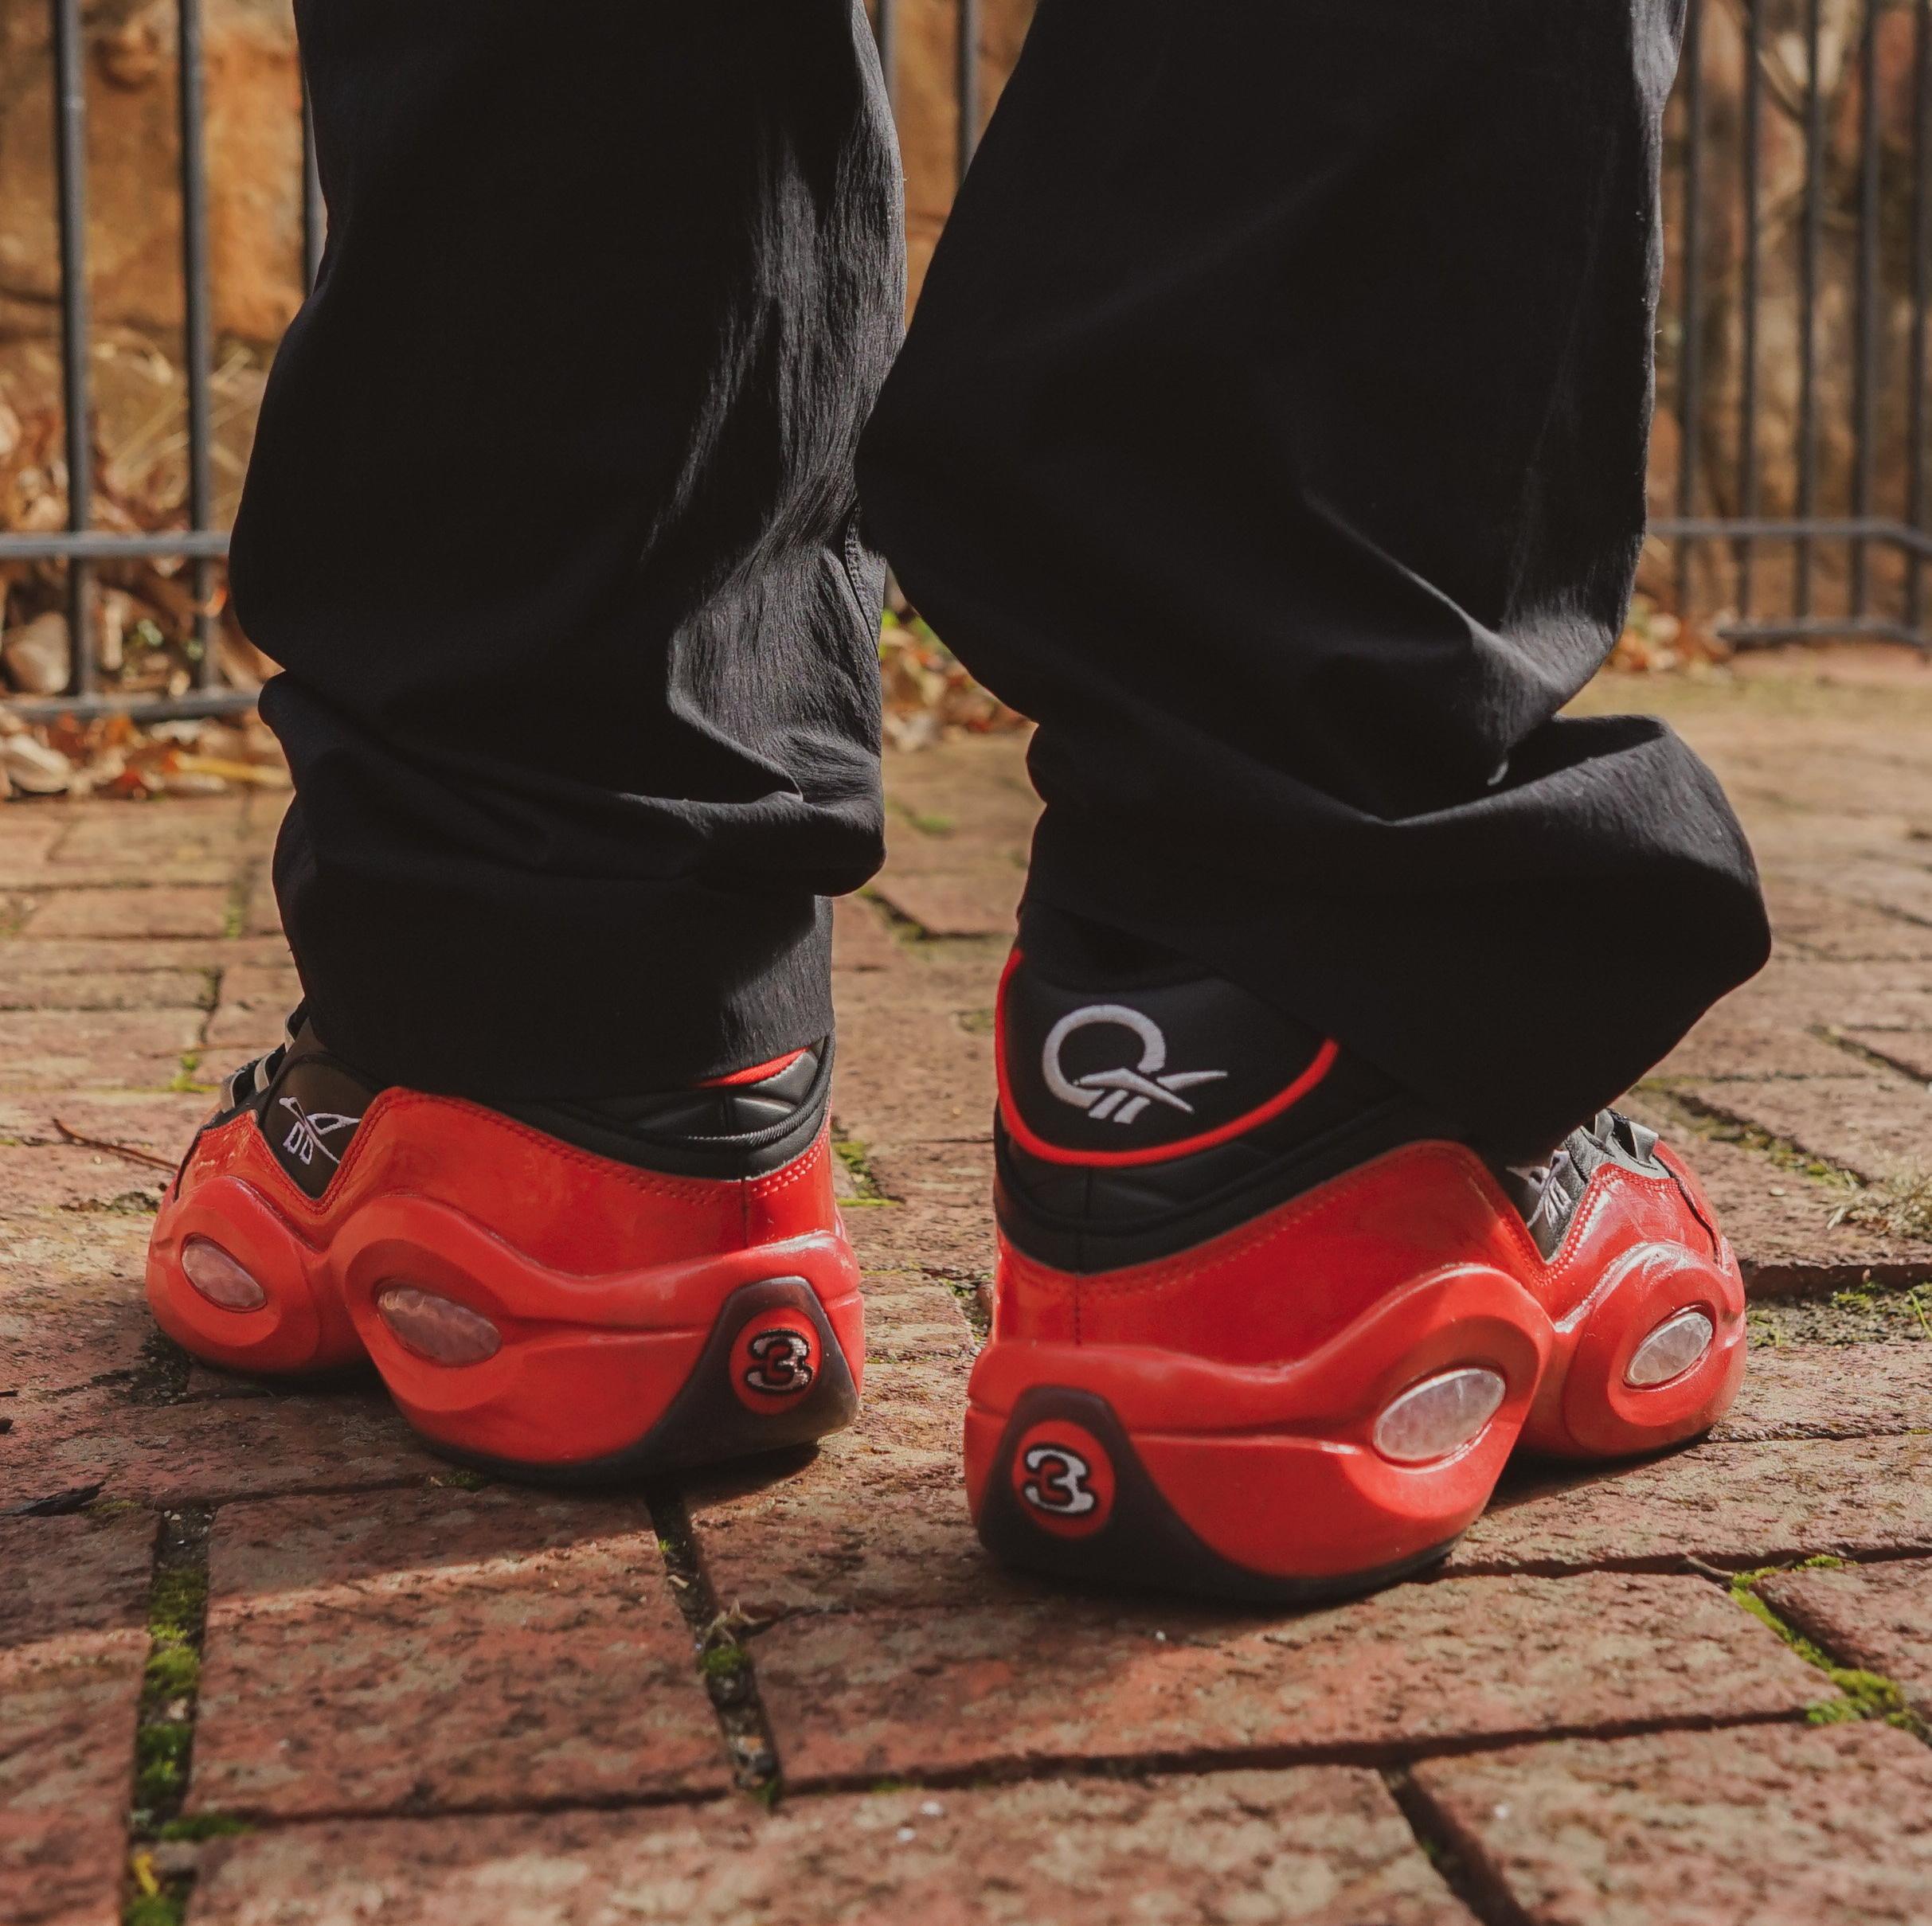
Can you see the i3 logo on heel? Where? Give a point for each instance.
(1064, 1479)
(775, 1361)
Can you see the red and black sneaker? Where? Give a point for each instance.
(1262, 1330)
(575, 1291)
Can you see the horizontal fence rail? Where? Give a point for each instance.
(1789, 487)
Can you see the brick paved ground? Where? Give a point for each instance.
(262, 1657)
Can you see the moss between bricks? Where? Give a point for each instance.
(1908, 1306)
(177, 1608)
(723, 1659)
(235, 915)
(973, 1305)
(852, 1153)
(902, 928)
(1867, 1313)
(160, 1862)
(123, 1204)
(184, 1081)
(929, 822)
(162, 1906)
(1866, 1695)
(719, 1654)
(200, 1826)
(1705, 1119)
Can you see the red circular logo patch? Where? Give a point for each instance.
(776, 1360)
(1064, 1479)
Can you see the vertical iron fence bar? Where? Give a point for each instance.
(70, 163)
(1922, 299)
(969, 82)
(1808, 301)
(197, 340)
(1865, 356)
(1747, 391)
(885, 28)
(1691, 309)
(315, 214)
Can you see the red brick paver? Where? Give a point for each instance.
(1321, 1847)
(1831, 1391)
(491, 1650)
(1777, 1828)
(64, 1050)
(132, 914)
(214, 1450)
(1732, 1506)
(855, 1695)
(73, 1643)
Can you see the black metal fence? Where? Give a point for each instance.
(1792, 347)
(1792, 352)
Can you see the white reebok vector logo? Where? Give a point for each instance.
(1120, 1095)
(309, 1133)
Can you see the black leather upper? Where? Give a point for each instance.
(308, 1103)
(719, 1129)
(1102, 1062)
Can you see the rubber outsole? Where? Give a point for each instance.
(1586, 1409)
(1265, 1479)
(1143, 1543)
(1087, 1462)
(708, 1422)
(592, 1381)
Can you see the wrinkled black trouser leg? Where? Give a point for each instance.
(1272, 429)
(552, 523)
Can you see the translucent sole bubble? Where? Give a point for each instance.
(1439, 1416)
(437, 1328)
(1670, 1350)
(218, 1278)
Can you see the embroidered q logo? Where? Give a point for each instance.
(1120, 1096)
(310, 1132)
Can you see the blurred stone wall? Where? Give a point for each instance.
(254, 136)
(929, 103)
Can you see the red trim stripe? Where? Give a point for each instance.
(1030, 1141)
(755, 1074)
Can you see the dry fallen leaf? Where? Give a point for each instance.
(33, 767)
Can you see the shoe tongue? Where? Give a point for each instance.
(1148, 1060)
(311, 1113)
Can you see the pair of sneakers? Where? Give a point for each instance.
(1262, 1329)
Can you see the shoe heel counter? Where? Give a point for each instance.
(798, 1201)
(1281, 1286)
(1034, 1303)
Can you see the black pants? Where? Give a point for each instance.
(1272, 429)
